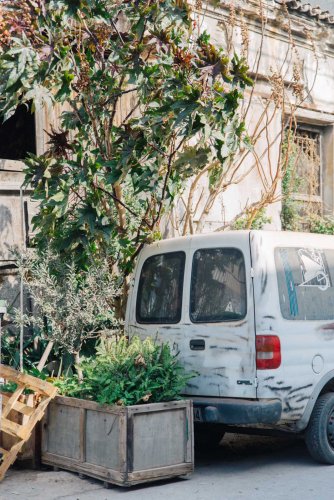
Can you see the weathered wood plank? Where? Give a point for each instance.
(18, 406)
(102, 443)
(170, 405)
(89, 405)
(137, 477)
(63, 431)
(91, 470)
(162, 448)
(189, 435)
(28, 381)
(123, 438)
(11, 428)
(12, 401)
(82, 434)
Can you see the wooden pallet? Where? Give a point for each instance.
(43, 393)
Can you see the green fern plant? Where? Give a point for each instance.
(128, 372)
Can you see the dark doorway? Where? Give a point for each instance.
(18, 135)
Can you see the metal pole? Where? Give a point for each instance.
(21, 325)
(1, 381)
(0, 338)
(3, 311)
(21, 283)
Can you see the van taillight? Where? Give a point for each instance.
(268, 352)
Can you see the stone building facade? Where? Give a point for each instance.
(289, 49)
(23, 133)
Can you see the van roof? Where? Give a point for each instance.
(284, 237)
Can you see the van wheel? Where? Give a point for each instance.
(208, 436)
(319, 435)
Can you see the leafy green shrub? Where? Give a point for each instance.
(321, 225)
(291, 183)
(10, 348)
(260, 219)
(128, 372)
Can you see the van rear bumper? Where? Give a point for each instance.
(237, 411)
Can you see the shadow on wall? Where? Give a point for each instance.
(8, 248)
(6, 219)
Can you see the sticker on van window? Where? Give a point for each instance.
(305, 279)
(314, 268)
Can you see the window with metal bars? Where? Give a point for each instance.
(303, 194)
(308, 164)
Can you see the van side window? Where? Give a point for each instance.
(305, 283)
(218, 286)
(159, 298)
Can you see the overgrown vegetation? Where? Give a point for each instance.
(252, 220)
(290, 217)
(10, 349)
(247, 28)
(149, 102)
(321, 225)
(127, 372)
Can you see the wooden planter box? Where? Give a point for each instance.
(119, 445)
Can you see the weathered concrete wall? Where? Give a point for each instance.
(17, 209)
(15, 224)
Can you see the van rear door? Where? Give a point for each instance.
(219, 326)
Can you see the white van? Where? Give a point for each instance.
(252, 312)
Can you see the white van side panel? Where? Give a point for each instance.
(307, 346)
(226, 366)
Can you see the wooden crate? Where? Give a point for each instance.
(20, 431)
(119, 445)
(28, 453)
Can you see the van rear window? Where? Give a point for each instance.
(218, 286)
(159, 297)
(305, 278)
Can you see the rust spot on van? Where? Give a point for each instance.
(327, 331)
(329, 326)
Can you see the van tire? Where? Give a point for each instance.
(208, 436)
(319, 436)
